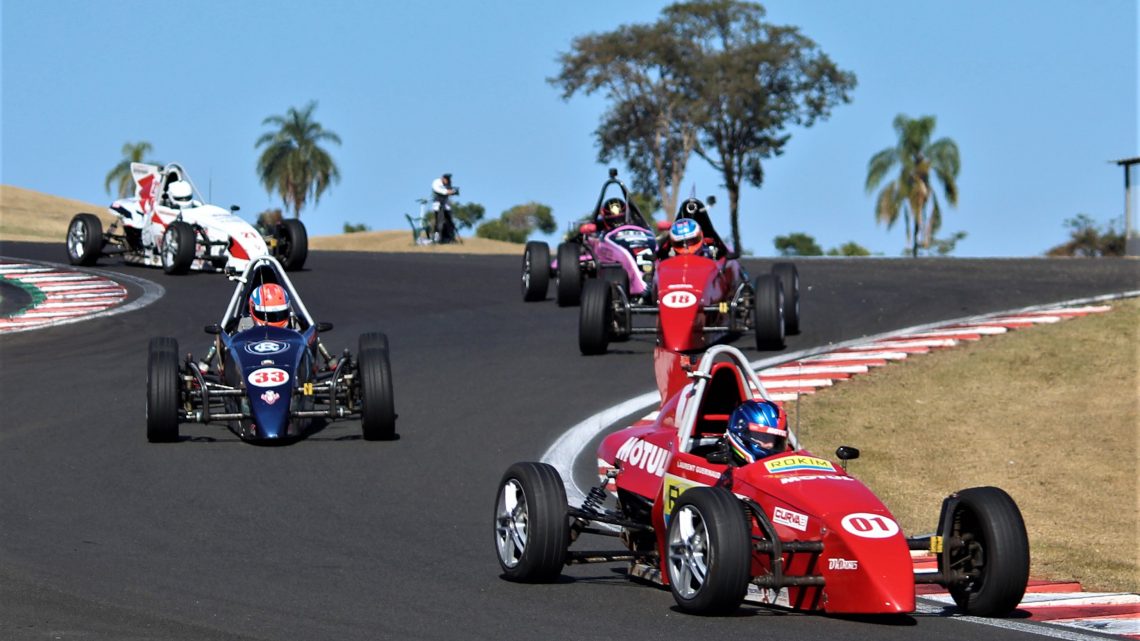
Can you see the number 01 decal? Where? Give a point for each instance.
(268, 377)
(870, 526)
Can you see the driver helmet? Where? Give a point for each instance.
(757, 429)
(613, 212)
(686, 236)
(180, 194)
(269, 305)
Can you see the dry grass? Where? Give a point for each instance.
(27, 215)
(1049, 414)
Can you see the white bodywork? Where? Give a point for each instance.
(229, 244)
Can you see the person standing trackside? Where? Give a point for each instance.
(442, 191)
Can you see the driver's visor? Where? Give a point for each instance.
(275, 316)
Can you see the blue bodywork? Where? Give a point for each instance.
(272, 364)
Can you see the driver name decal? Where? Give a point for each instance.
(268, 377)
(870, 526)
(266, 347)
(797, 464)
(644, 455)
(679, 300)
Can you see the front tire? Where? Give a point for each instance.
(569, 274)
(768, 312)
(595, 317)
(162, 390)
(293, 244)
(178, 248)
(995, 549)
(532, 530)
(535, 271)
(84, 239)
(377, 401)
(790, 280)
(708, 552)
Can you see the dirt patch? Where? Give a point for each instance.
(1050, 414)
(401, 241)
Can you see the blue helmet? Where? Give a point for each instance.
(686, 236)
(757, 429)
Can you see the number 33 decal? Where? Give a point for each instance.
(268, 377)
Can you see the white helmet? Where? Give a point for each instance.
(180, 194)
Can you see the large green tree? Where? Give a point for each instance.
(294, 164)
(747, 81)
(647, 125)
(919, 162)
(120, 175)
(516, 224)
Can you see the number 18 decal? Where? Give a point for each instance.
(870, 526)
(677, 300)
(268, 377)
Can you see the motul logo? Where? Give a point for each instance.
(644, 455)
(842, 564)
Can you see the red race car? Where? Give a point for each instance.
(697, 298)
(797, 527)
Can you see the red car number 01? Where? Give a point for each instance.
(870, 526)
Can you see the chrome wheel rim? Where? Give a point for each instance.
(688, 552)
(511, 520)
(169, 248)
(76, 239)
(526, 272)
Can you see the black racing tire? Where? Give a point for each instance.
(768, 312)
(535, 271)
(162, 390)
(996, 547)
(292, 244)
(377, 400)
(790, 280)
(569, 274)
(708, 527)
(369, 340)
(595, 317)
(532, 530)
(615, 275)
(178, 246)
(84, 239)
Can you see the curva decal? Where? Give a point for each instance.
(794, 520)
(679, 300)
(644, 455)
(268, 377)
(266, 347)
(870, 526)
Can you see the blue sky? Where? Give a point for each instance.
(1038, 94)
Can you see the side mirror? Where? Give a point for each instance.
(234, 208)
(710, 201)
(613, 172)
(324, 327)
(846, 453)
(213, 329)
(587, 228)
(663, 225)
(720, 457)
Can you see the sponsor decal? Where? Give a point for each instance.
(679, 300)
(680, 286)
(644, 455)
(270, 397)
(870, 526)
(814, 477)
(268, 377)
(797, 463)
(842, 564)
(672, 490)
(794, 520)
(689, 467)
(634, 235)
(266, 347)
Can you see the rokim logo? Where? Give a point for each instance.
(266, 347)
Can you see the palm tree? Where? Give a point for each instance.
(121, 174)
(908, 194)
(293, 163)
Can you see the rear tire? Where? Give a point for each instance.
(595, 317)
(84, 239)
(178, 246)
(569, 274)
(708, 552)
(162, 390)
(532, 530)
(535, 271)
(293, 244)
(377, 401)
(767, 312)
(996, 546)
(790, 280)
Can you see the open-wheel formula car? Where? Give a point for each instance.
(269, 379)
(700, 298)
(167, 224)
(617, 245)
(797, 527)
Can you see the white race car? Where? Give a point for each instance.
(167, 224)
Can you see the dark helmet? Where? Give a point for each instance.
(757, 429)
(613, 212)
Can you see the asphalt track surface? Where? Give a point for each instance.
(104, 536)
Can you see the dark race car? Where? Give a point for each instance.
(269, 383)
(797, 528)
(617, 245)
(699, 298)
